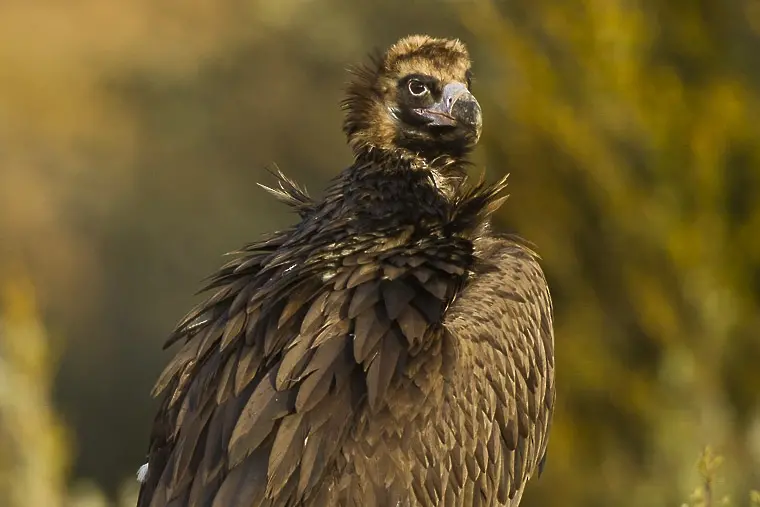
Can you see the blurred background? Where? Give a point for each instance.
(132, 134)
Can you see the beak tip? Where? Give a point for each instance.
(457, 107)
(467, 111)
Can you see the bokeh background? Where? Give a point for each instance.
(132, 134)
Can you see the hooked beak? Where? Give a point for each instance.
(457, 107)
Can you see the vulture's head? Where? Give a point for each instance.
(416, 96)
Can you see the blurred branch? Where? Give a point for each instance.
(705, 495)
(35, 456)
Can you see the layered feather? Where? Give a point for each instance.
(386, 350)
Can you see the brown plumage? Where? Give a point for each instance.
(388, 349)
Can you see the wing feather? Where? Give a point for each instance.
(300, 344)
(266, 393)
(503, 320)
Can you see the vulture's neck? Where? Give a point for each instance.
(445, 172)
(396, 188)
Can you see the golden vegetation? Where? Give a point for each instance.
(707, 494)
(34, 458)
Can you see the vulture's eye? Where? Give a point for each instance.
(417, 88)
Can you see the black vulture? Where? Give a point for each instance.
(389, 349)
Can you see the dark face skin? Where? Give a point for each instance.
(436, 117)
(414, 98)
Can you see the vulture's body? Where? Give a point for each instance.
(389, 349)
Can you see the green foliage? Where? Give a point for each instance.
(630, 132)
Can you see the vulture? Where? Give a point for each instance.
(389, 349)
